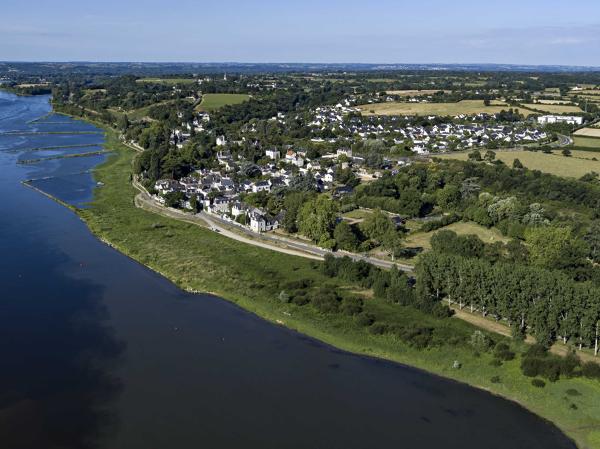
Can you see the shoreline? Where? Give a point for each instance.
(322, 335)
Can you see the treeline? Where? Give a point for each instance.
(546, 303)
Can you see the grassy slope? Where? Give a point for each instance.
(198, 259)
(556, 164)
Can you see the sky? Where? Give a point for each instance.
(334, 31)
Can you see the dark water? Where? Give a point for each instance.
(98, 351)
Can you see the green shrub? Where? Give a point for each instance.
(539, 383)
(591, 370)
(502, 352)
(365, 319)
(378, 329)
(495, 380)
(352, 306)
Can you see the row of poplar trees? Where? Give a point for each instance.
(547, 304)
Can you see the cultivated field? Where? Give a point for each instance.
(588, 132)
(553, 108)
(544, 102)
(575, 166)
(414, 92)
(169, 81)
(210, 102)
(469, 107)
(423, 239)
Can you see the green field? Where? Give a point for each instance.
(557, 164)
(198, 259)
(586, 143)
(422, 239)
(210, 102)
(469, 107)
(168, 81)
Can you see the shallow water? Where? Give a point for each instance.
(98, 351)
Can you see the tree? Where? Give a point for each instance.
(174, 199)
(376, 225)
(449, 197)
(566, 152)
(517, 164)
(345, 236)
(554, 248)
(393, 243)
(592, 238)
(317, 219)
(489, 155)
(475, 155)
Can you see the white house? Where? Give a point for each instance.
(273, 154)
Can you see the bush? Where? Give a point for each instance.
(284, 297)
(569, 365)
(416, 336)
(480, 341)
(591, 370)
(502, 352)
(536, 350)
(378, 329)
(352, 306)
(300, 298)
(325, 300)
(442, 222)
(365, 319)
(299, 284)
(573, 392)
(440, 310)
(539, 383)
(495, 380)
(496, 362)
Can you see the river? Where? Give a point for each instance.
(100, 352)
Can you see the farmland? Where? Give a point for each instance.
(588, 132)
(469, 107)
(168, 81)
(575, 166)
(553, 108)
(210, 102)
(415, 92)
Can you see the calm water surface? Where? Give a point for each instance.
(99, 352)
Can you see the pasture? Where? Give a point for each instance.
(576, 166)
(423, 239)
(210, 102)
(468, 107)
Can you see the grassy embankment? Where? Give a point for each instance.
(197, 259)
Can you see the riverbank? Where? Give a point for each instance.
(201, 260)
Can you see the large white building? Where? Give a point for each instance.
(570, 119)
